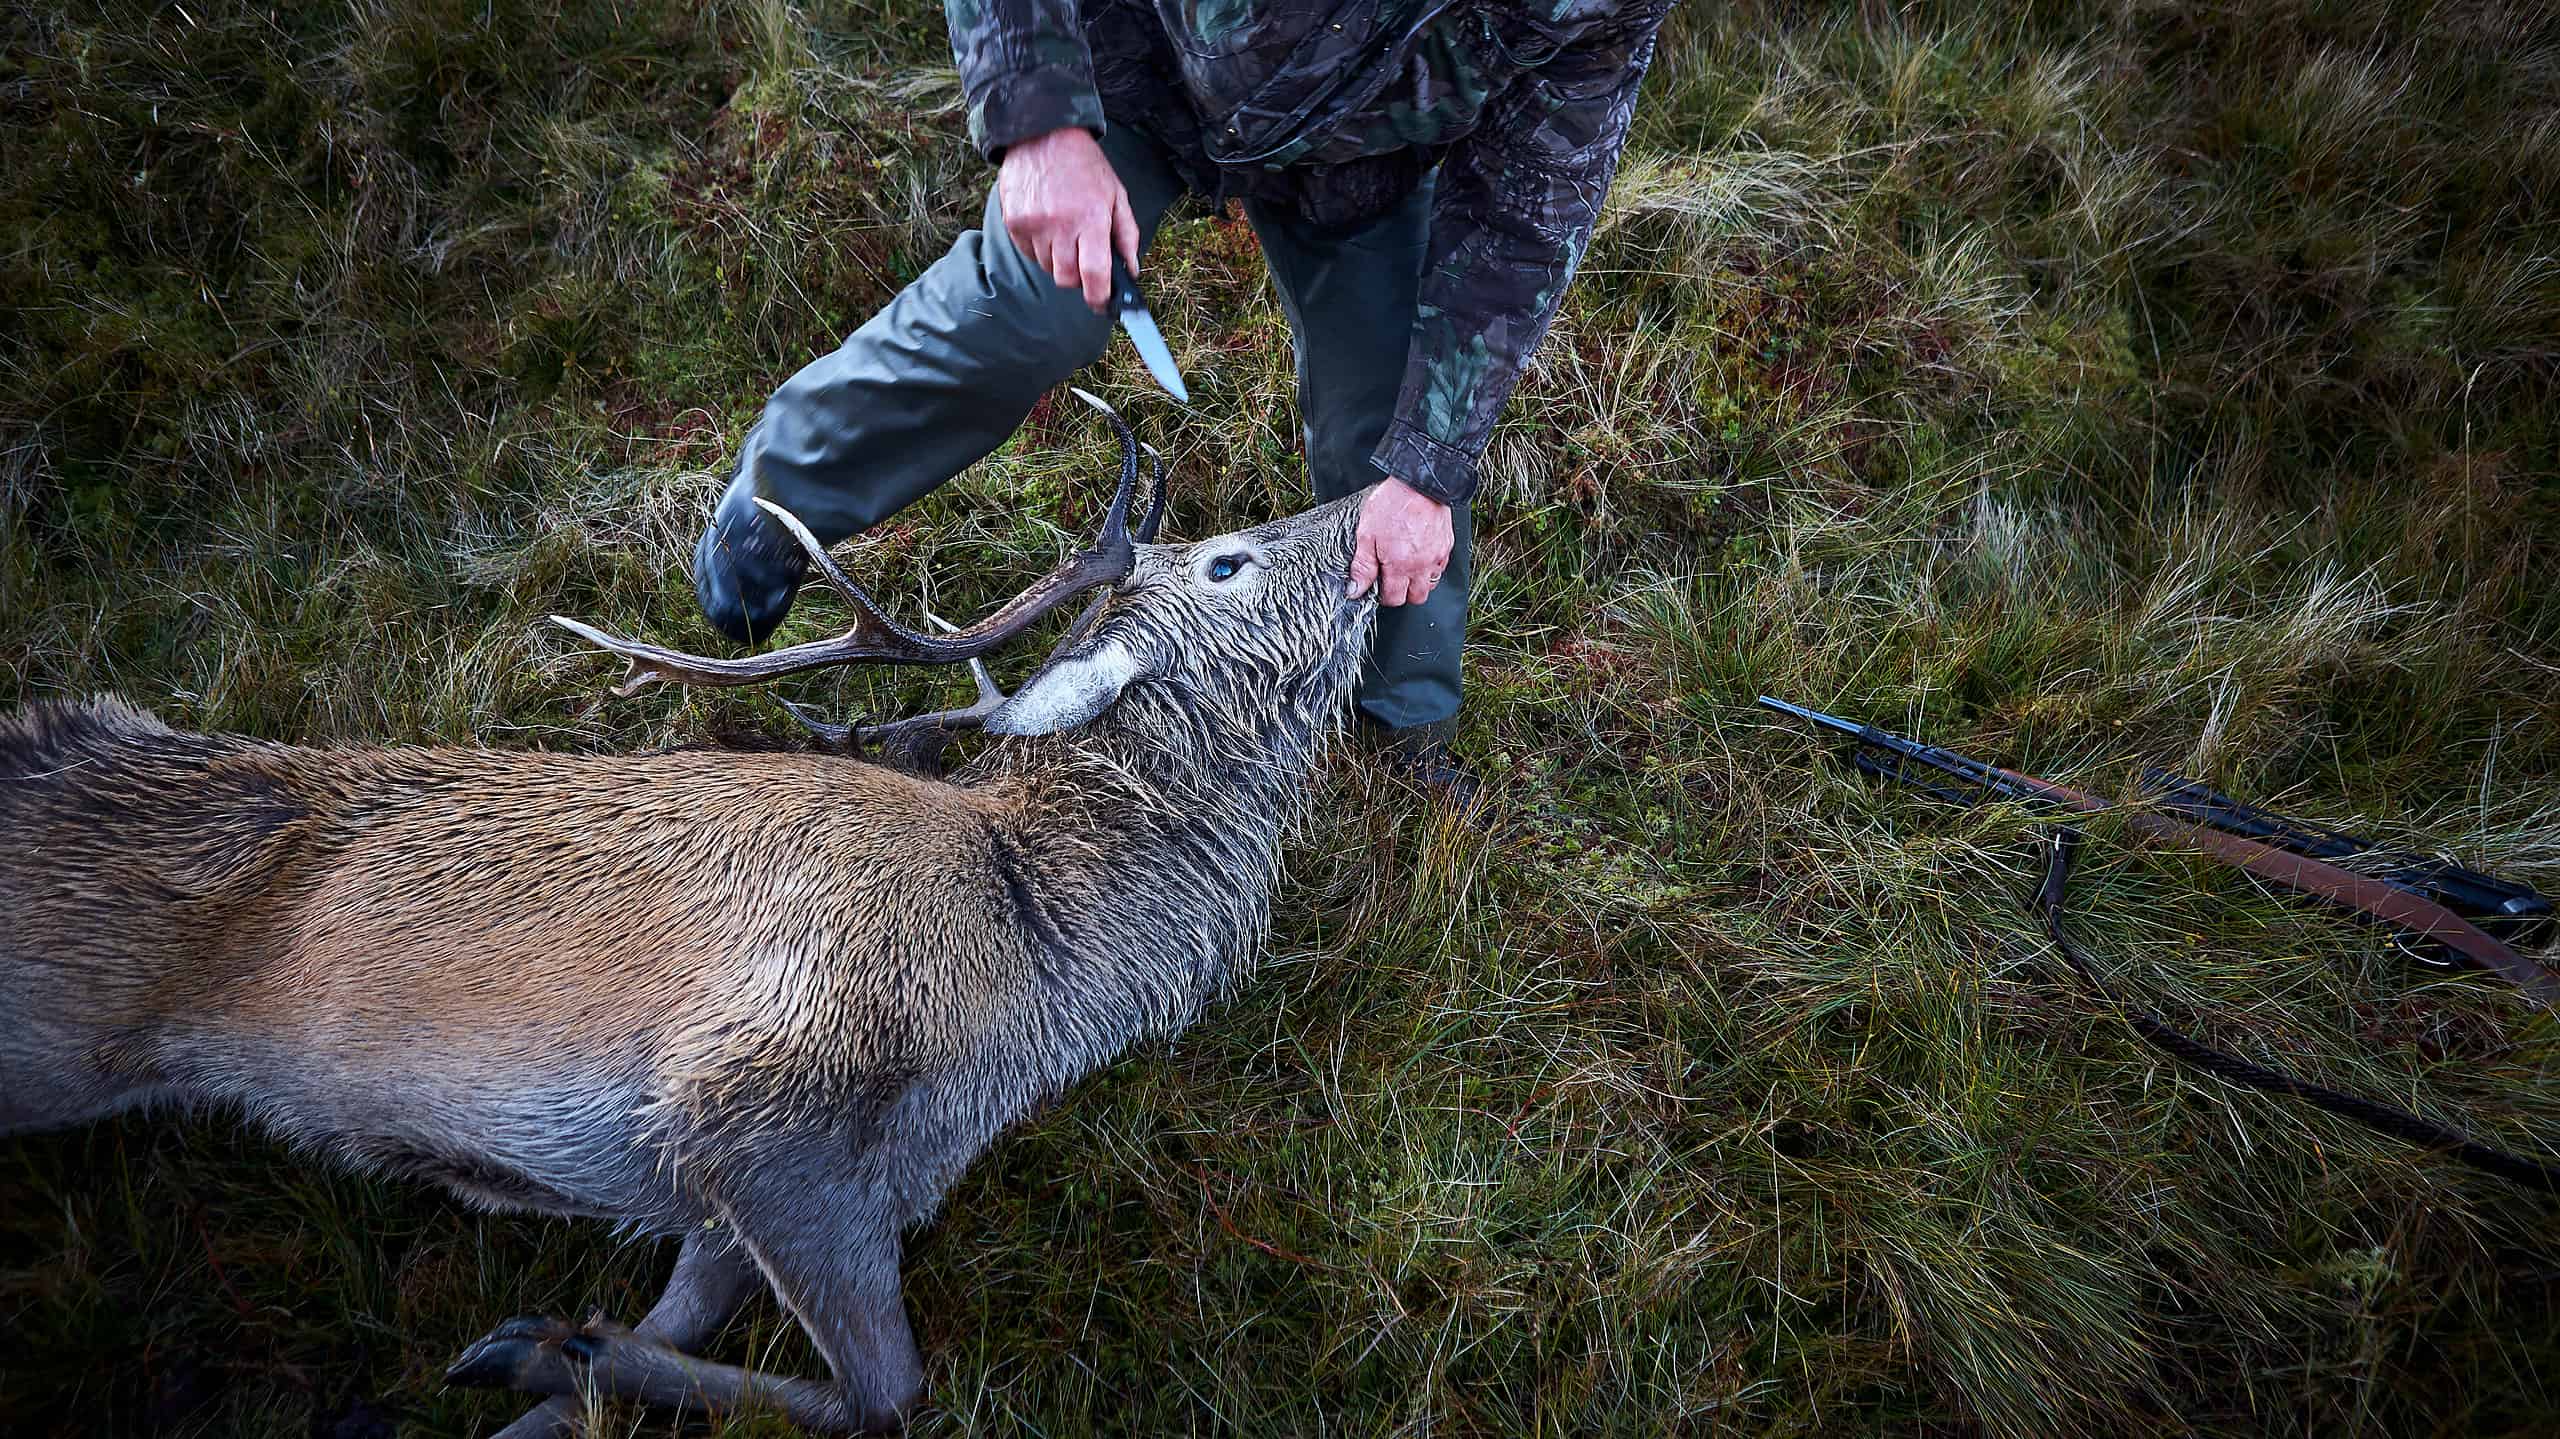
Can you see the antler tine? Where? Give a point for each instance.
(1155, 506)
(1115, 522)
(837, 580)
(839, 737)
(916, 743)
(874, 635)
(988, 693)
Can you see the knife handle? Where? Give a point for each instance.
(1124, 289)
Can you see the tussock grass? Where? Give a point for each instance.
(2080, 385)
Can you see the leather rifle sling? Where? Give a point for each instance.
(2414, 914)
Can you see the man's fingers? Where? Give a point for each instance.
(1032, 241)
(1044, 247)
(1403, 546)
(1058, 257)
(1093, 254)
(1395, 580)
(1418, 579)
(1364, 568)
(1124, 230)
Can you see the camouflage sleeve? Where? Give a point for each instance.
(1516, 203)
(1023, 67)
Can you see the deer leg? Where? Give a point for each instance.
(548, 1356)
(712, 1278)
(828, 1248)
(839, 1278)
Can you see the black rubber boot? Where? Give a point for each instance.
(1420, 754)
(747, 568)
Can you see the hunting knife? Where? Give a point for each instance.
(1134, 318)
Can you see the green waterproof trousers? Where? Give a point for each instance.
(945, 373)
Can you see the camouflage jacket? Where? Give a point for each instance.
(1338, 110)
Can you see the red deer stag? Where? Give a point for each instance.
(772, 1003)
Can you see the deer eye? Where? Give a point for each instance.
(1224, 568)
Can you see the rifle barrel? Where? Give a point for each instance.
(1817, 716)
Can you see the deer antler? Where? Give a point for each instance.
(916, 742)
(874, 635)
(1155, 507)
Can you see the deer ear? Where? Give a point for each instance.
(1067, 692)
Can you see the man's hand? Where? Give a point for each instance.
(1403, 544)
(1067, 211)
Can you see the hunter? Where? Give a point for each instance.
(1422, 176)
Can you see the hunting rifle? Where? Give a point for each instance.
(2425, 900)
(2414, 895)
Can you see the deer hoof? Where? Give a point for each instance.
(512, 1355)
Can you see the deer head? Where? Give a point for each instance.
(1228, 632)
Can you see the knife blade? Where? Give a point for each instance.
(1141, 325)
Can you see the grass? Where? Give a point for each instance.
(2081, 385)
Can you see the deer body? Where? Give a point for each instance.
(420, 955)
(773, 1002)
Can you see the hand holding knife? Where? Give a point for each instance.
(1064, 208)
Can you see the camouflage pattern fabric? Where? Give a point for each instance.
(1337, 112)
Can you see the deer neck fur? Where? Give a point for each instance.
(1149, 840)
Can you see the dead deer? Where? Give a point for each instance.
(774, 1003)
